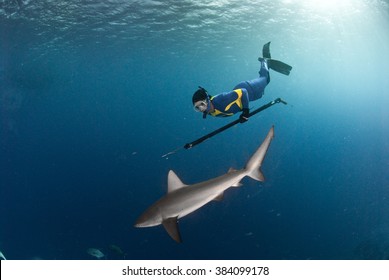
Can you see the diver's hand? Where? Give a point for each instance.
(244, 117)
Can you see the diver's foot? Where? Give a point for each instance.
(264, 64)
(264, 61)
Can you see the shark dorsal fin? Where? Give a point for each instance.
(171, 226)
(173, 182)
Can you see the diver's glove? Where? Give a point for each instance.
(244, 117)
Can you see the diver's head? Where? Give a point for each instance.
(200, 100)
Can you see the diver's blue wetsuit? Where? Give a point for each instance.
(228, 103)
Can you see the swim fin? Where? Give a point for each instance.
(266, 50)
(273, 64)
(279, 66)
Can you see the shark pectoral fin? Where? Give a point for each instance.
(256, 174)
(171, 226)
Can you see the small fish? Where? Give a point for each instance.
(2, 257)
(116, 249)
(95, 253)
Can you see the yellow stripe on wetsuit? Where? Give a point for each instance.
(218, 113)
(237, 101)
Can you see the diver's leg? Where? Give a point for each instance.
(264, 70)
(255, 87)
(258, 86)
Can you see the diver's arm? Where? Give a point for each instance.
(244, 117)
(245, 99)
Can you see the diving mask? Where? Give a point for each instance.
(200, 106)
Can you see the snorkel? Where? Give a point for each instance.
(205, 113)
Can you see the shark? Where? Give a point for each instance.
(181, 199)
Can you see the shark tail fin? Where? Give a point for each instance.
(253, 166)
(257, 174)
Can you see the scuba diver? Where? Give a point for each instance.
(229, 103)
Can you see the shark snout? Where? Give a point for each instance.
(141, 222)
(149, 218)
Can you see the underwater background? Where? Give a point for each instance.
(93, 93)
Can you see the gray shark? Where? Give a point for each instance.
(182, 199)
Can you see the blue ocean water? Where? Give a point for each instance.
(93, 93)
